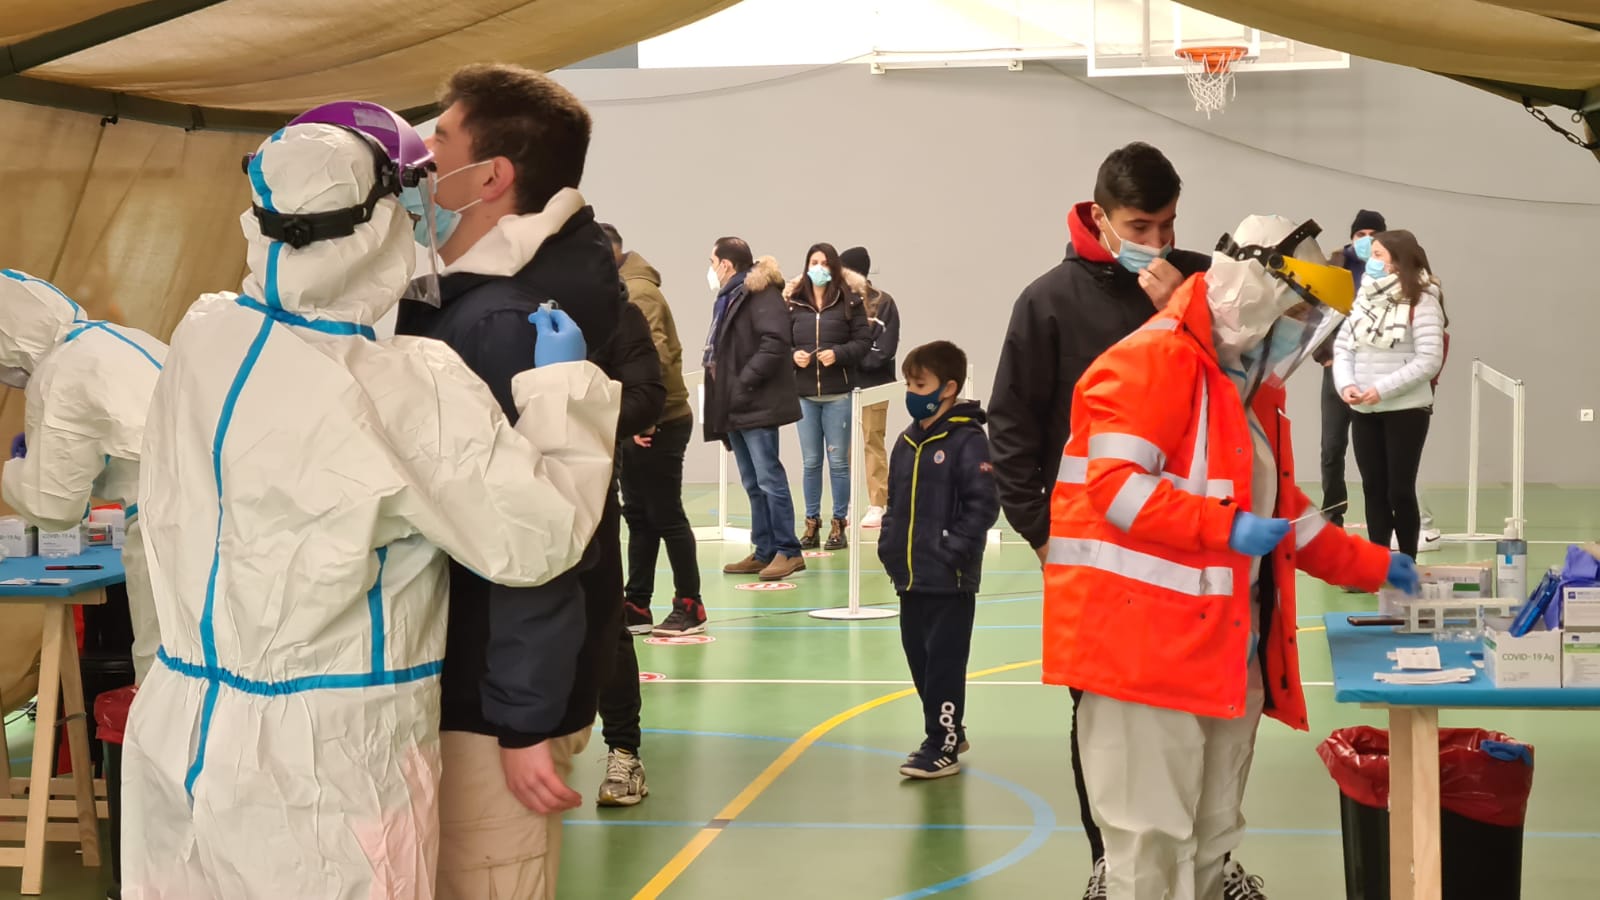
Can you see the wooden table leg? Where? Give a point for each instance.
(1425, 841)
(1400, 803)
(56, 624)
(78, 746)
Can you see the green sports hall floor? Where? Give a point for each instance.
(837, 820)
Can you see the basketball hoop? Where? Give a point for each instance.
(1209, 72)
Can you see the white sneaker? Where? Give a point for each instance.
(873, 518)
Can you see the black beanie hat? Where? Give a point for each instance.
(1366, 219)
(857, 260)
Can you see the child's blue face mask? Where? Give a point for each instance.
(921, 406)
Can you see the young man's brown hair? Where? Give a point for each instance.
(526, 117)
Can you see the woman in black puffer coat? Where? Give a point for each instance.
(831, 335)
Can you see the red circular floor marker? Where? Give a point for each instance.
(818, 554)
(765, 586)
(681, 641)
(651, 676)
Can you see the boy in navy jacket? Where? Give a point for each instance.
(942, 503)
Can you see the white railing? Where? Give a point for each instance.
(722, 531)
(1515, 389)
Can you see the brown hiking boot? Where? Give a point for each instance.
(809, 540)
(782, 567)
(747, 566)
(838, 535)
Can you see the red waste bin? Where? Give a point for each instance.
(111, 721)
(1485, 778)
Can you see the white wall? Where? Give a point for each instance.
(959, 181)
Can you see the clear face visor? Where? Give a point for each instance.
(425, 283)
(1294, 337)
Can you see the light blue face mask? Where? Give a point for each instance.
(1363, 247)
(1376, 269)
(819, 275)
(1137, 257)
(445, 221)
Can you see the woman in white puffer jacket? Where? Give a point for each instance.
(1387, 355)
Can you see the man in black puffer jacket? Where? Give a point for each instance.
(523, 667)
(750, 394)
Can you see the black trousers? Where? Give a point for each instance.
(936, 632)
(1335, 441)
(620, 700)
(652, 505)
(1389, 453)
(602, 609)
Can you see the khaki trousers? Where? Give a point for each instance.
(491, 847)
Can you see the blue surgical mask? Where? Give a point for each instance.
(1376, 269)
(445, 221)
(1363, 247)
(1137, 257)
(921, 406)
(819, 275)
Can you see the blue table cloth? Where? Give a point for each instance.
(111, 572)
(1358, 653)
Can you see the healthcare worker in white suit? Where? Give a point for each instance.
(303, 484)
(88, 384)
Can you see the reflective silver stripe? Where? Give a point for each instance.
(1130, 500)
(1306, 530)
(1141, 567)
(1074, 470)
(1160, 325)
(1128, 447)
(1219, 488)
(1196, 483)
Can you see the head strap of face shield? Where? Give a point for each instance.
(1271, 258)
(301, 229)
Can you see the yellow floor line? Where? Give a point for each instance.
(676, 866)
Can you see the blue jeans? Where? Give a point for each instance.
(826, 422)
(771, 507)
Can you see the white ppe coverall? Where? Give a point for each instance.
(88, 387)
(303, 484)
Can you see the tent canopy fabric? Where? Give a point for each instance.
(252, 64)
(1548, 52)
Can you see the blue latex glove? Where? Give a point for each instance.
(1255, 536)
(19, 446)
(1403, 574)
(560, 339)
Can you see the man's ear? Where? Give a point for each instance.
(502, 178)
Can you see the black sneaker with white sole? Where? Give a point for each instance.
(1237, 884)
(929, 764)
(637, 619)
(1097, 882)
(688, 617)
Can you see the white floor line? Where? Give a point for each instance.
(848, 681)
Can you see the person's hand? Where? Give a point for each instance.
(1044, 555)
(19, 446)
(827, 358)
(1159, 280)
(1327, 364)
(532, 778)
(1352, 395)
(646, 439)
(1403, 574)
(560, 339)
(1370, 396)
(802, 359)
(1254, 536)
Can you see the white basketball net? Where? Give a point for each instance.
(1211, 81)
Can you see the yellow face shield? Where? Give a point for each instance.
(1331, 286)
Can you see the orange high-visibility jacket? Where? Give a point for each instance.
(1144, 600)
